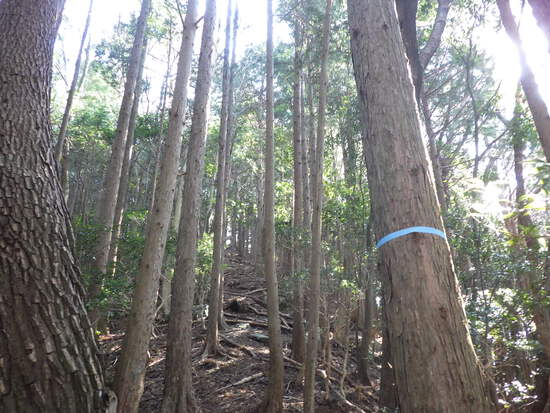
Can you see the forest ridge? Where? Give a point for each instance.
(352, 219)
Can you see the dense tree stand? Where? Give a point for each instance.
(317, 251)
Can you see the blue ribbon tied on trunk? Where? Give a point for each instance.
(406, 231)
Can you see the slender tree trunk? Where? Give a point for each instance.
(406, 11)
(212, 339)
(273, 398)
(298, 330)
(228, 153)
(131, 369)
(370, 310)
(418, 61)
(107, 204)
(86, 64)
(47, 350)
(434, 154)
(538, 107)
(163, 96)
(67, 114)
(428, 329)
(178, 387)
(308, 160)
(316, 223)
(126, 163)
(64, 172)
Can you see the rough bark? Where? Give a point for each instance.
(428, 329)
(388, 392)
(273, 397)
(48, 356)
(316, 222)
(70, 97)
(107, 204)
(214, 307)
(131, 369)
(178, 387)
(538, 107)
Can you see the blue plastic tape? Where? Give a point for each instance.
(402, 232)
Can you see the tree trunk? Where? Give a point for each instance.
(297, 257)
(427, 52)
(370, 310)
(316, 222)
(122, 196)
(541, 11)
(178, 388)
(131, 369)
(538, 107)
(107, 204)
(214, 307)
(49, 356)
(434, 153)
(273, 398)
(428, 329)
(406, 11)
(67, 114)
(228, 154)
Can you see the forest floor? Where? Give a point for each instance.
(237, 380)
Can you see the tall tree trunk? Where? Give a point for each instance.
(297, 257)
(229, 152)
(418, 61)
(47, 348)
(273, 398)
(107, 204)
(212, 339)
(178, 386)
(316, 222)
(67, 114)
(122, 196)
(163, 97)
(131, 369)
(428, 329)
(538, 107)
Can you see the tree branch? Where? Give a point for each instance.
(428, 51)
